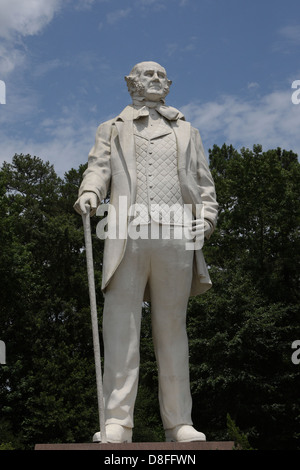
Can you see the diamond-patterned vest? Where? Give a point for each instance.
(158, 187)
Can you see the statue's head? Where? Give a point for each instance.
(148, 80)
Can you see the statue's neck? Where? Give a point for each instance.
(141, 101)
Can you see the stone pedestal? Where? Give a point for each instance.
(169, 447)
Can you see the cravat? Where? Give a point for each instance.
(172, 114)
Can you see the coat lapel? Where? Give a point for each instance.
(182, 131)
(126, 139)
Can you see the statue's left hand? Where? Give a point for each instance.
(200, 227)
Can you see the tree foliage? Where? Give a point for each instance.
(47, 387)
(240, 332)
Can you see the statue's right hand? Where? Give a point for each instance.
(86, 199)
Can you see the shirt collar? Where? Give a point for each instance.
(132, 112)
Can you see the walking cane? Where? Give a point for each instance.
(93, 305)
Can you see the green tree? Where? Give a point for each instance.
(47, 388)
(242, 330)
(258, 194)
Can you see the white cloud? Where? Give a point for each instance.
(86, 4)
(252, 85)
(272, 121)
(10, 56)
(291, 33)
(172, 48)
(289, 38)
(146, 3)
(182, 47)
(117, 15)
(65, 142)
(21, 105)
(152, 5)
(19, 17)
(45, 67)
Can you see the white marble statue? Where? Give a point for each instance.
(149, 157)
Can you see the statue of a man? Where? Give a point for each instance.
(151, 158)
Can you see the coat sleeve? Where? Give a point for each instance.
(205, 183)
(97, 176)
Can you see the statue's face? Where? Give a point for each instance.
(149, 80)
(153, 79)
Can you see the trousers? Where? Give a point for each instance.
(166, 266)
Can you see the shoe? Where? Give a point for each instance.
(115, 433)
(184, 433)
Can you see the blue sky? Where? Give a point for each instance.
(232, 64)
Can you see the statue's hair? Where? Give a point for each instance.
(133, 83)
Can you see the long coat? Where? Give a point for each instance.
(112, 165)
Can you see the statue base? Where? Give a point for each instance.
(143, 446)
